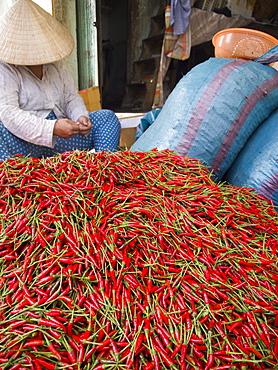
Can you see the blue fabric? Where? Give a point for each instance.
(104, 136)
(212, 112)
(256, 166)
(180, 15)
(269, 57)
(146, 121)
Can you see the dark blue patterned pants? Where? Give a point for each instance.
(105, 135)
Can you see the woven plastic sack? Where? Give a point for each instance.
(270, 57)
(145, 122)
(256, 166)
(213, 110)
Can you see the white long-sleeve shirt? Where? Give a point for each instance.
(25, 101)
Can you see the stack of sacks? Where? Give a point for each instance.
(213, 111)
(256, 166)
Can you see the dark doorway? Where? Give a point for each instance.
(113, 52)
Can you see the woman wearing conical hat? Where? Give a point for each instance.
(41, 112)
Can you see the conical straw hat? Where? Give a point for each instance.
(30, 36)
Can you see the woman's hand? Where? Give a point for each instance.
(85, 125)
(65, 128)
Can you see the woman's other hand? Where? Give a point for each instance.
(65, 128)
(85, 125)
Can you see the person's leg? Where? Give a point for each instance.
(11, 145)
(75, 143)
(4, 153)
(106, 130)
(105, 134)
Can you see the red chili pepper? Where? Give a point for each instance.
(176, 350)
(46, 364)
(256, 352)
(52, 349)
(138, 343)
(99, 367)
(148, 366)
(72, 356)
(248, 332)
(52, 323)
(17, 324)
(188, 321)
(157, 365)
(15, 367)
(236, 324)
(54, 333)
(210, 362)
(266, 339)
(44, 280)
(33, 342)
(81, 354)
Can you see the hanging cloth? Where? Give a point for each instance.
(177, 47)
(179, 16)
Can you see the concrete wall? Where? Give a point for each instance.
(65, 12)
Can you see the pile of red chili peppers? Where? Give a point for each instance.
(134, 261)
